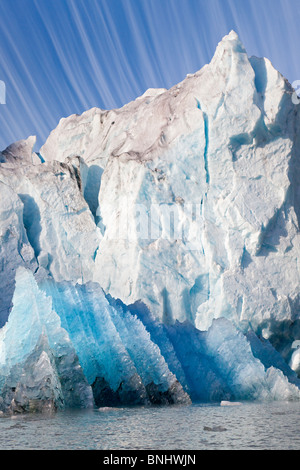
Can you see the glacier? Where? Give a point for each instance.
(39, 367)
(150, 254)
(73, 346)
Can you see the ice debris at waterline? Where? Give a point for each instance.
(183, 204)
(68, 345)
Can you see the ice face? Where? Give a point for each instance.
(114, 348)
(221, 363)
(67, 345)
(184, 201)
(33, 385)
(45, 225)
(15, 249)
(212, 167)
(39, 367)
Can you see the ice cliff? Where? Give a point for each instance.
(162, 240)
(67, 345)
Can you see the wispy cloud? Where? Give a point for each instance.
(59, 57)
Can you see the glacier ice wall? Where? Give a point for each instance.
(184, 205)
(67, 345)
(198, 201)
(45, 223)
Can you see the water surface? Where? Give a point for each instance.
(248, 426)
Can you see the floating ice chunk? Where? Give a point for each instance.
(230, 403)
(105, 409)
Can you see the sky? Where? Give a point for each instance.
(60, 57)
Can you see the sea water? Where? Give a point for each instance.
(256, 426)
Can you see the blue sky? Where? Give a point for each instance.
(59, 57)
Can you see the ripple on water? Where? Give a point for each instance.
(247, 426)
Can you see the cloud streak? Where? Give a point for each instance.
(59, 57)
